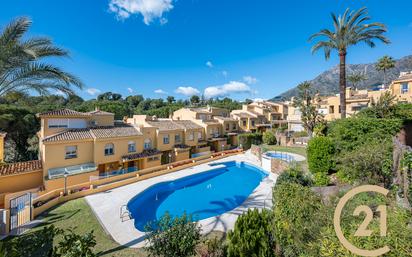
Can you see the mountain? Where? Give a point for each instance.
(327, 83)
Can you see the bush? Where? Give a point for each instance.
(252, 235)
(398, 238)
(320, 153)
(298, 217)
(300, 134)
(348, 134)
(321, 179)
(269, 138)
(369, 163)
(169, 236)
(247, 139)
(212, 248)
(294, 174)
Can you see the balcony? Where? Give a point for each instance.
(113, 173)
(71, 170)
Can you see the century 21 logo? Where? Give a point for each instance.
(363, 228)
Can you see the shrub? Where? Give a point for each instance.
(252, 235)
(298, 216)
(321, 179)
(269, 138)
(370, 163)
(347, 134)
(398, 238)
(320, 153)
(212, 248)
(247, 139)
(169, 236)
(300, 134)
(294, 174)
(74, 245)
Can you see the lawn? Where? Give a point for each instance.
(77, 214)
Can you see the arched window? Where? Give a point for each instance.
(131, 146)
(109, 149)
(147, 144)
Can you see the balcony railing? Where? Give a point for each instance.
(71, 170)
(118, 172)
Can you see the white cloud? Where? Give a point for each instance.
(209, 64)
(250, 80)
(59, 92)
(130, 90)
(160, 92)
(259, 100)
(187, 91)
(150, 9)
(233, 87)
(93, 91)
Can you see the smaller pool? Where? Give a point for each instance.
(280, 155)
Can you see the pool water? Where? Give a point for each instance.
(281, 156)
(202, 195)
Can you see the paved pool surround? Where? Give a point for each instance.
(106, 205)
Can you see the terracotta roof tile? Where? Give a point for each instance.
(62, 112)
(99, 112)
(116, 131)
(187, 124)
(70, 135)
(20, 167)
(165, 125)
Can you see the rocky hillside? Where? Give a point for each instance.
(327, 83)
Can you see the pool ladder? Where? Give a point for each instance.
(125, 213)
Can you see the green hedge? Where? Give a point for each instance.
(247, 139)
(320, 153)
(269, 138)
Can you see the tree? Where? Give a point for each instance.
(320, 153)
(109, 96)
(384, 64)
(170, 236)
(356, 78)
(21, 68)
(349, 29)
(170, 99)
(269, 138)
(306, 101)
(252, 235)
(194, 99)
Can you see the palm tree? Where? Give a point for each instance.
(384, 64)
(349, 29)
(356, 78)
(20, 66)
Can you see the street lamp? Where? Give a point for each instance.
(65, 182)
(223, 147)
(240, 146)
(170, 157)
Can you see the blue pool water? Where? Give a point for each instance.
(282, 156)
(202, 195)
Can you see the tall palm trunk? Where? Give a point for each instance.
(342, 83)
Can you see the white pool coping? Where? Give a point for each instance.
(296, 157)
(106, 205)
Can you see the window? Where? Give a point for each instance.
(177, 138)
(404, 88)
(166, 139)
(191, 136)
(131, 146)
(199, 136)
(253, 123)
(227, 127)
(147, 144)
(109, 149)
(244, 123)
(331, 109)
(58, 123)
(234, 127)
(71, 152)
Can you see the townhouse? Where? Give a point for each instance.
(259, 116)
(2, 139)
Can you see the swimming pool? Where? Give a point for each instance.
(280, 155)
(202, 195)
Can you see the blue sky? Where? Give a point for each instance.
(239, 48)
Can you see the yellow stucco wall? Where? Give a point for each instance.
(103, 120)
(20, 182)
(54, 154)
(120, 149)
(53, 184)
(396, 91)
(1, 148)
(171, 134)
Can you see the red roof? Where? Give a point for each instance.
(20, 167)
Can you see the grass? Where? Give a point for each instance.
(76, 214)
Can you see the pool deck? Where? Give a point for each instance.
(106, 205)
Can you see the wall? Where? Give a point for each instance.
(55, 154)
(195, 132)
(120, 148)
(103, 120)
(170, 145)
(396, 91)
(146, 164)
(181, 155)
(54, 184)
(20, 182)
(1, 148)
(184, 114)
